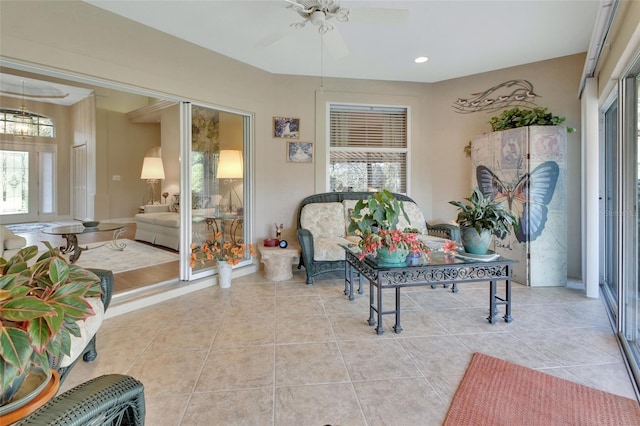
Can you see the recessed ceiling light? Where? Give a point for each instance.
(420, 59)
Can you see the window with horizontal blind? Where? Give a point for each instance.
(367, 148)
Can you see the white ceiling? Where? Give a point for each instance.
(460, 37)
(41, 91)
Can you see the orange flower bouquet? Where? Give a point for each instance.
(220, 250)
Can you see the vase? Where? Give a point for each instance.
(224, 274)
(414, 259)
(475, 243)
(391, 258)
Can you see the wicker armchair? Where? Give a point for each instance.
(89, 352)
(112, 399)
(315, 267)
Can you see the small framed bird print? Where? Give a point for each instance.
(286, 128)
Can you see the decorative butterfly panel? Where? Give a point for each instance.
(533, 188)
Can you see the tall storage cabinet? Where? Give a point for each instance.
(525, 168)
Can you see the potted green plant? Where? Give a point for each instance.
(516, 117)
(480, 219)
(375, 220)
(380, 210)
(39, 307)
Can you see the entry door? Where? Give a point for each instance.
(27, 183)
(80, 182)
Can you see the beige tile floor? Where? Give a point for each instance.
(264, 353)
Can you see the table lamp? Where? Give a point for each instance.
(230, 168)
(152, 171)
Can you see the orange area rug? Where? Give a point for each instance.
(496, 392)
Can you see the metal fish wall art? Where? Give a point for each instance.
(507, 94)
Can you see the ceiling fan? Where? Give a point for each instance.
(320, 13)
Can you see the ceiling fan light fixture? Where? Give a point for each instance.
(317, 18)
(420, 59)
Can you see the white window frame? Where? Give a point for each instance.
(405, 150)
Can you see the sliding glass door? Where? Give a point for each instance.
(609, 260)
(217, 169)
(621, 201)
(629, 213)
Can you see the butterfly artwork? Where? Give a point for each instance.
(528, 199)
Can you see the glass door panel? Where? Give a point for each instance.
(609, 236)
(631, 176)
(47, 184)
(27, 182)
(15, 182)
(217, 174)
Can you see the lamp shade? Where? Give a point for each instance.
(152, 168)
(230, 164)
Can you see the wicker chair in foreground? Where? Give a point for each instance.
(112, 399)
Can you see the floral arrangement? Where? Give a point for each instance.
(393, 239)
(449, 247)
(220, 250)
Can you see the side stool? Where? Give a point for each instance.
(279, 261)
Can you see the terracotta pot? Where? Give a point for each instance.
(24, 388)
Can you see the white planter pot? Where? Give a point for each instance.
(224, 274)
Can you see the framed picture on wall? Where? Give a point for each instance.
(300, 152)
(286, 128)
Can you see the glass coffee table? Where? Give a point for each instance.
(70, 234)
(438, 269)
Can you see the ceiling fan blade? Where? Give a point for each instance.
(298, 6)
(270, 39)
(373, 15)
(335, 44)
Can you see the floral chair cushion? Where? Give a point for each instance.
(323, 220)
(416, 218)
(88, 328)
(329, 248)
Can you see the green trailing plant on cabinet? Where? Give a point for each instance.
(516, 117)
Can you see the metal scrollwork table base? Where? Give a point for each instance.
(439, 270)
(70, 234)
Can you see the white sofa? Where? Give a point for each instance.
(158, 225)
(10, 243)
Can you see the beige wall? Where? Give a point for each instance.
(76, 37)
(122, 145)
(622, 44)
